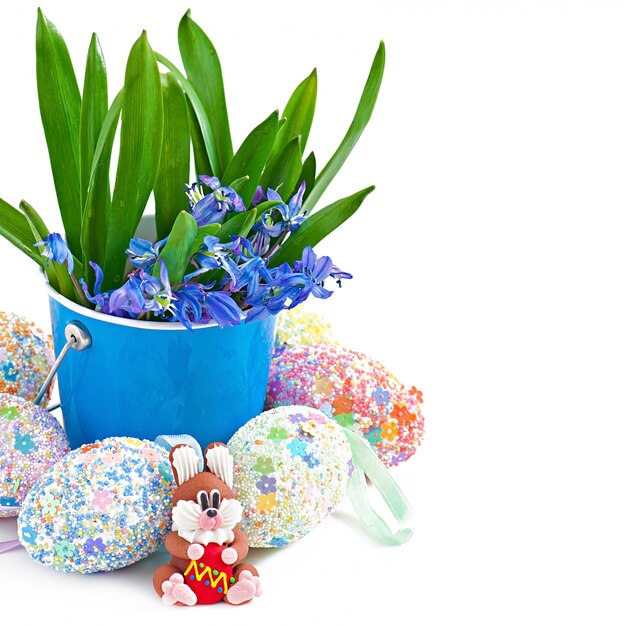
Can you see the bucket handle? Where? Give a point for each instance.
(77, 338)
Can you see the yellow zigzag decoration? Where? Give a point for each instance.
(213, 581)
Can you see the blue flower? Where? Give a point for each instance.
(211, 209)
(188, 304)
(219, 306)
(29, 535)
(266, 484)
(259, 196)
(381, 396)
(99, 298)
(298, 448)
(283, 218)
(311, 460)
(55, 248)
(212, 255)
(127, 299)
(156, 292)
(144, 253)
(9, 372)
(278, 542)
(24, 443)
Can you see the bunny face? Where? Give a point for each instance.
(205, 510)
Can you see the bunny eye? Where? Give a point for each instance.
(215, 498)
(202, 500)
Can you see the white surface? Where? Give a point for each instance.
(488, 272)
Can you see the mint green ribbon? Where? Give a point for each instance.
(367, 464)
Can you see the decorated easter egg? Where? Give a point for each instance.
(31, 441)
(26, 356)
(291, 468)
(100, 508)
(301, 327)
(357, 392)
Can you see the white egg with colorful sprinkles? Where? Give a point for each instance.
(26, 356)
(31, 441)
(291, 469)
(102, 507)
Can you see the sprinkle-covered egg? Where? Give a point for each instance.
(102, 507)
(31, 441)
(358, 392)
(301, 327)
(26, 356)
(291, 468)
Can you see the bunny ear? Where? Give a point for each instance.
(220, 462)
(184, 462)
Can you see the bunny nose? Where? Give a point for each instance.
(211, 512)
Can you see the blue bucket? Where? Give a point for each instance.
(144, 379)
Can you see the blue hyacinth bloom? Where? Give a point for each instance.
(55, 249)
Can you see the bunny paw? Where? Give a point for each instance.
(174, 590)
(245, 588)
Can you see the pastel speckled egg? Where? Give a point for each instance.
(301, 327)
(31, 441)
(359, 393)
(291, 468)
(26, 356)
(102, 507)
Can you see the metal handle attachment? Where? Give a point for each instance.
(78, 338)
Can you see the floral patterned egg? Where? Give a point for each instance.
(31, 441)
(291, 468)
(359, 393)
(102, 507)
(301, 327)
(26, 356)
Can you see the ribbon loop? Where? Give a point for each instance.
(367, 464)
(169, 441)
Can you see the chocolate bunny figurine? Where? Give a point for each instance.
(206, 550)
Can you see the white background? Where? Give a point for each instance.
(487, 271)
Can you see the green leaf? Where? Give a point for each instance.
(175, 158)
(238, 226)
(98, 203)
(308, 174)
(92, 114)
(139, 155)
(179, 247)
(361, 119)
(282, 171)
(14, 227)
(203, 232)
(318, 226)
(299, 113)
(239, 183)
(59, 103)
(200, 156)
(203, 69)
(201, 117)
(252, 156)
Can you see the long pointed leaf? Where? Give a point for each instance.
(200, 115)
(308, 174)
(203, 70)
(318, 226)
(200, 156)
(175, 158)
(282, 171)
(360, 120)
(98, 202)
(239, 225)
(252, 156)
(179, 247)
(59, 103)
(299, 113)
(14, 228)
(93, 112)
(139, 155)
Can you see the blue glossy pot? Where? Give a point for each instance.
(144, 379)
